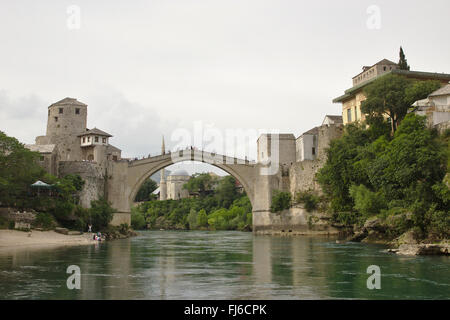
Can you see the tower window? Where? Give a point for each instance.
(77, 111)
(96, 139)
(61, 110)
(56, 119)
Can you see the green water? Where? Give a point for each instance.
(221, 265)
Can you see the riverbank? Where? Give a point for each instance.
(376, 231)
(17, 239)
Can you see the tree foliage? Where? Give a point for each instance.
(402, 62)
(280, 201)
(200, 183)
(392, 95)
(18, 170)
(145, 191)
(223, 209)
(365, 175)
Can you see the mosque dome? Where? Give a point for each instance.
(179, 172)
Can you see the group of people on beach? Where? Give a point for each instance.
(97, 236)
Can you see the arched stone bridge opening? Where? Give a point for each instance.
(140, 170)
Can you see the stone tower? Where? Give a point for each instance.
(162, 182)
(67, 119)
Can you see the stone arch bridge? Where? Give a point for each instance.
(125, 178)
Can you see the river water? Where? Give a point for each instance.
(221, 265)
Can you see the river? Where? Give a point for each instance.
(221, 265)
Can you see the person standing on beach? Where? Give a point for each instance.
(90, 228)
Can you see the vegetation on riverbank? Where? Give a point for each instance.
(57, 206)
(391, 172)
(219, 206)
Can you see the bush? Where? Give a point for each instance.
(368, 203)
(202, 219)
(44, 220)
(308, 198)
(101, 213)
(137, 219)
(439, 223)
(280, 201)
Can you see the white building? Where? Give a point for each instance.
(436, 107)
(306, 145)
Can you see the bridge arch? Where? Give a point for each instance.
(140, 170)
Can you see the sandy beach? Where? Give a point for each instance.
(10, 239)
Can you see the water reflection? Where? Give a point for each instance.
(220, 265)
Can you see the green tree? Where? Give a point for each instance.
(202, 218)
(18, 170)
(200, 183)
(402, 62)
(226, 191)
(100, 213)
(367, 202)
(145, 191)
(192, 219)
(392, 95)
(137, 219)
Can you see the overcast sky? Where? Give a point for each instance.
(147, 68)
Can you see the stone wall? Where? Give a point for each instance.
(93, 175)
(302, 174)
(295, 221)
(22, 220)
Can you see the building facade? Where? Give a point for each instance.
(353, 97)
(436, 108)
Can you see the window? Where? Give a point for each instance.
(104, 140)
(84, 139)
(349, 115)
(356, 115)
(89, 139)
(96, 139)
(384, 68)
(49, 113)
(56, 119)
(77, 111)
(313, 151)
(115, 158)
(61, 110)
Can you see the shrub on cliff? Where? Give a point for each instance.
(367, 202)
(308, 198)
(280, 201)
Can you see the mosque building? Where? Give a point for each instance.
(172, 188)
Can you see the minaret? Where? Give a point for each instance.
(162, 182)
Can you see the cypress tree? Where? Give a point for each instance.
(403, 63)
